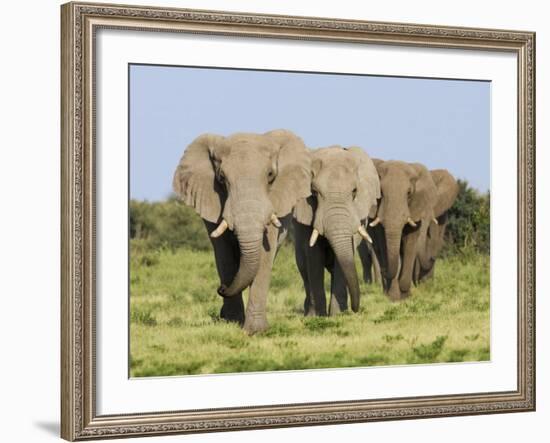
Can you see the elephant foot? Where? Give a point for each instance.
(398, 296)
(394, 293)
(312, 312)
(394, 297)
(405, 295)
(232, 315)
(255, 324)
(335, 308)
(233, 309)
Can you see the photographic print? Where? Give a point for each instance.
(273, 221)
(285, 220)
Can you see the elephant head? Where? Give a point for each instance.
(406, 207)
(243, 183)
(345, 188)
(447, 192)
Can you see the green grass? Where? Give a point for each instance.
(175, 327)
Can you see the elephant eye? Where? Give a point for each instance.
(354, 193)
(270, 175)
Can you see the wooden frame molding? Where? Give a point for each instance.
(79, 22)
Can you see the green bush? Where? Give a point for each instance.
(169, 224)
(469, 225)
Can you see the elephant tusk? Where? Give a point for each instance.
(373, 223)
(220, 229)
(435, 221)
(411, 222)
(313, 238)
(275, 221)
(364, 233)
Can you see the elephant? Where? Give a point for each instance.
(244, 186)
(405, 210)
(329, 225)
(447, 192)
(369, 261)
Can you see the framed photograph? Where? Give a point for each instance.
(277, 221)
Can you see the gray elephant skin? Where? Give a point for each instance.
(244, 187)
(447, 192)
(328, 226)
(405, 210)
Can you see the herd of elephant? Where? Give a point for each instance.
(249, 188)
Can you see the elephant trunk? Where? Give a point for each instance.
(250, 244)
(425, 259)
(341, 241)
(428, 236)
(393, 249)
(249, 225)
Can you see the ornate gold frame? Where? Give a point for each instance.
(79, 21)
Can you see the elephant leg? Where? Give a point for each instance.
(378, 250)
(316, 277)
(300, 245)
(226, 253)
(407, 263)
(366, 261)
(338, 291)
(256, 315)
(309, 307)
(424, 239)
(233, 309)
(393, 291)
(417, 272)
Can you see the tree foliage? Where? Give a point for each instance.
(469, 225)
(168, 224)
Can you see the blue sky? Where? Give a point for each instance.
(440, 123)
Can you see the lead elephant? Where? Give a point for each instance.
(404, 213)
(244, 187)
(329, 225)
(447, 192)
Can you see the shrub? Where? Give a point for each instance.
(468, 229)
(167, 224)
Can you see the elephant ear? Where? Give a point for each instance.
(293, 180)
(381, 167)
(424, 194)
(305, 208)
(377, 162)
(368, 188)
(447, 190)
(195, 181)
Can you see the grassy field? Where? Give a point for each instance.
(175, 327)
